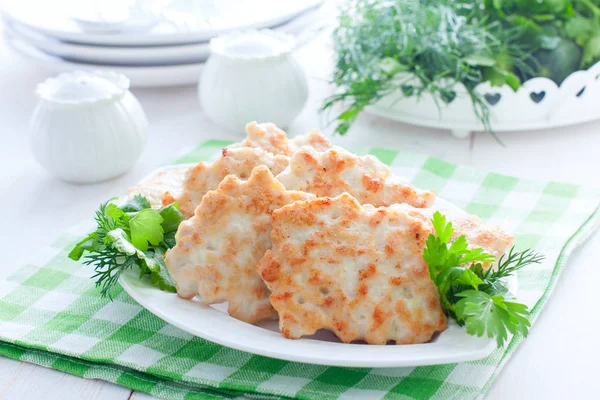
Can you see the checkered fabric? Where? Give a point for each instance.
(51, 314)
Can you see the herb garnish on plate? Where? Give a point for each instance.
(472, 295)
(131, 235)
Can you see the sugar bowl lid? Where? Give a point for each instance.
(83, 87)
(251, 45)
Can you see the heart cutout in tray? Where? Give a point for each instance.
(492, 99)
(537, 97)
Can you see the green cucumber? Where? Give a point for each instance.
(560, 62)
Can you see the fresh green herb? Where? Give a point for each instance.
(425, 46)
(138, 203)
(146, 229)
(131, 235)
(438, 47)
(470, 291)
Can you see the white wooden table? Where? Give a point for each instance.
(558, 360)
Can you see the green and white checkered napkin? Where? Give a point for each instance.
(51, 314)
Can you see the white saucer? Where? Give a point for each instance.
(137, 56)
(144, 76)
(182, 22)
(134, 56)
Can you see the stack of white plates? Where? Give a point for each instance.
(153, 42)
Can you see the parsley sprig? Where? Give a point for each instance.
(470, 293)
(131, 235)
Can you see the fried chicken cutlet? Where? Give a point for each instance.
(218, 249)
(358, 271)
(334, 171)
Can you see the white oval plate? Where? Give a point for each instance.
(51, 19)
(214, 324)
(139, 76)
(136, 56)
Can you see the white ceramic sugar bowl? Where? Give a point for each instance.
(87, 126)
(252, 76)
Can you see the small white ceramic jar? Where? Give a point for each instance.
(87, 126)
(252, 76)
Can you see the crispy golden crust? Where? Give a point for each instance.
(335, 171)
(217, 250)
(268, 137)
(203, 177)
(265, 144)
(265, 136)
(492, 239)
(314, 139)
(356, 271)
(165, 183)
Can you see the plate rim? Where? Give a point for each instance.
(374, 362)
(139, 76)
(132, 56)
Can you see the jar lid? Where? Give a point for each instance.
(83, 87)
(253, 44)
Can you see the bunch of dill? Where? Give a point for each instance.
(421, 46)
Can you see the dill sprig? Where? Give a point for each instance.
(108, 266)
(514, 261)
